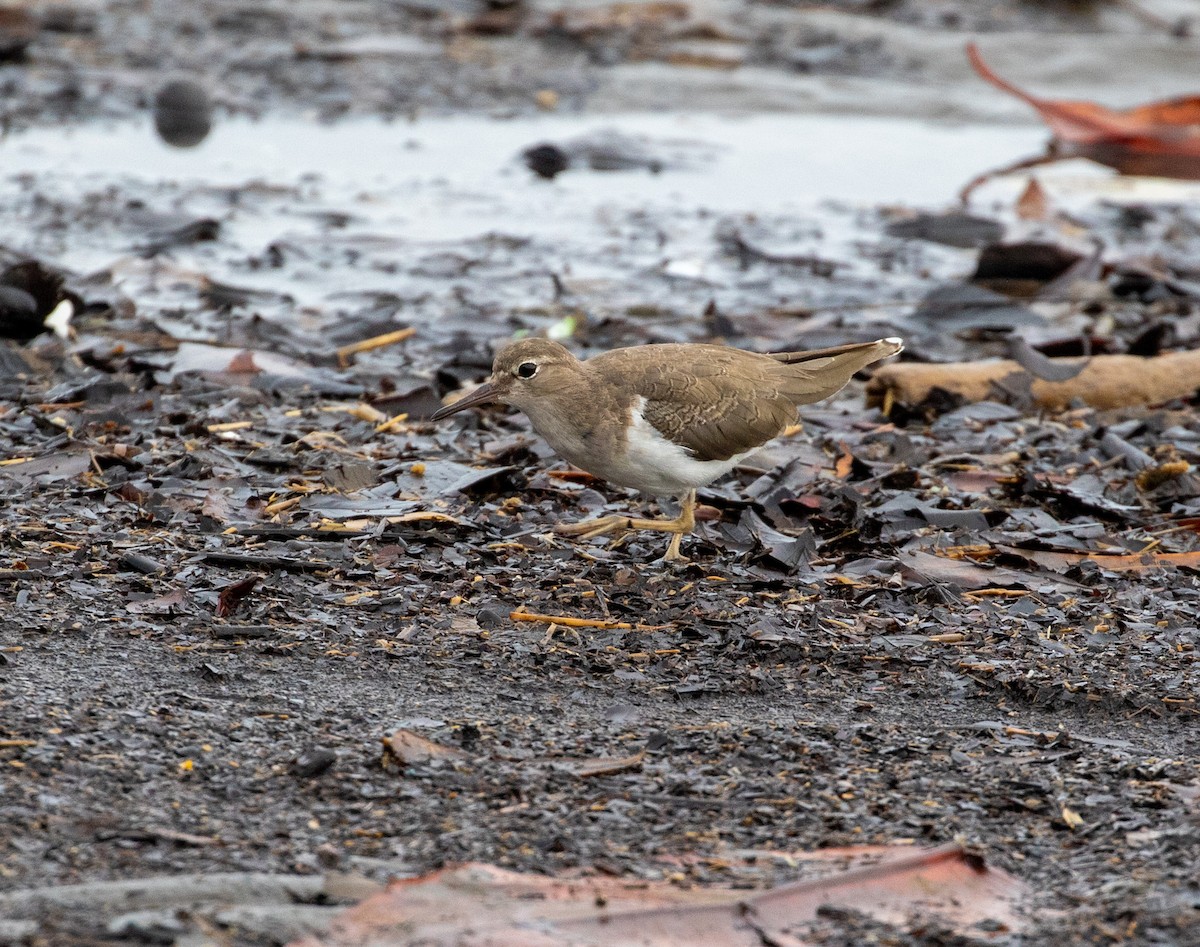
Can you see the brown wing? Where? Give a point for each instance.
(716, 401)
(719, 401)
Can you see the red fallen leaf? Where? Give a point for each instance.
(160, 605)
(409, 748)
(604, 765)
(232, 595)
(217, 506)
(1160, 138)
(706, 514)
(131, 494)
(477, 904)
(1033, 203)
(205, 359)
(844, 464)
(572, 476)
(1111, 562)
(617, 17)
(976, 481)
(923, 568)
(243, 363)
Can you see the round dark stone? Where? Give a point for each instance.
(546, 161)
(182, 113)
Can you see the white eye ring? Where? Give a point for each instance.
(526, 370)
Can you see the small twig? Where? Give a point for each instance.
(392, 423)
(360, 410)
(569, 622)
(233, 632)
(1048, 157)
(548, 637)
(266, 562)
(281, 506)
(1176, 28)
(588, 768)
(376, 342)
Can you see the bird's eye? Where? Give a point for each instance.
(527, 369)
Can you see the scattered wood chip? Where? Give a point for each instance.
(427, 516)
(1154, 477)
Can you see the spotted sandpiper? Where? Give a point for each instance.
(662, 419)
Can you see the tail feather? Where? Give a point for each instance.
(822, 373)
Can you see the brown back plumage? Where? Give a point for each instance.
(719, 402)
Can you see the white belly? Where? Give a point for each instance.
(661, 467)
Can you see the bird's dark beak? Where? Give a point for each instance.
(484, 394)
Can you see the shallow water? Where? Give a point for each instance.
(455, 178)
(442, 211)
(762, 161)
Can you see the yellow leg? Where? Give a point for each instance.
(687, 521)
(680, 526)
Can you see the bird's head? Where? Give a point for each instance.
(523, 373)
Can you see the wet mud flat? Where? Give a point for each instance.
(231, 572)
(235, 559)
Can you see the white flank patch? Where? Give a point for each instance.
(656, 465)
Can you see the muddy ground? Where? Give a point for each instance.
(228, 576)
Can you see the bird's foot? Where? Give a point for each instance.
(673, 555)
(589, 529)
(602, 526)
(680, 526)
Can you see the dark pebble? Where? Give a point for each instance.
(313, 762)
(19, 316)
(493, 616)
(182, 113)
(546, 161)
(136, 562)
